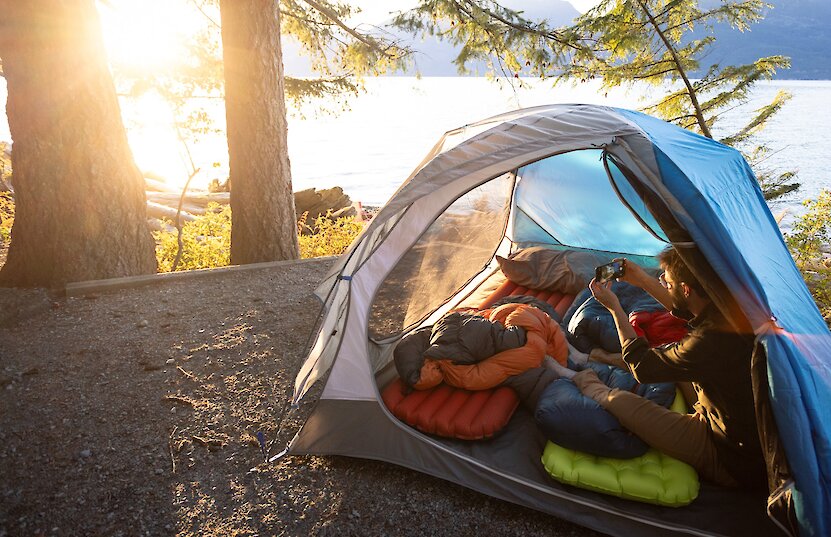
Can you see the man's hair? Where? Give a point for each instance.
(671, 261)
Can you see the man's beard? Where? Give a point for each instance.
(679, 301)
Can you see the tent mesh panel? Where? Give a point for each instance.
(456, 246)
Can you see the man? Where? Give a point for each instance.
(720, 439)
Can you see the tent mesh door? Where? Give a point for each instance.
(456, 246)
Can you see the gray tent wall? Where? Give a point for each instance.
(364, 429)
(350, 419)
(530, 135)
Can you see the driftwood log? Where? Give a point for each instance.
(196, 200)
(157, 210)
(319, 202)
(162, 201)
(157, 185)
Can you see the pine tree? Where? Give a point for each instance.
(661, 41)
(248, 74)
(80, 203)
(263, 226)
(624, 42)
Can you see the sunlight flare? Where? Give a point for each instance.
(147, 36)
(152, 136)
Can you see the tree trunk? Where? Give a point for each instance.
(262, 205)
(80, 206)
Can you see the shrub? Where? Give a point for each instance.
(6, 217)
(810, 234)
(328, 237)
(206, 241)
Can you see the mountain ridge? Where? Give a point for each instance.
(798, 29)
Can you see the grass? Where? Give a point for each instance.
(6, 217)
(207, 240)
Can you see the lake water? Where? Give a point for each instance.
(372, 147)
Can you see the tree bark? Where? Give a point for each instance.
(263, 224)
(79, 197)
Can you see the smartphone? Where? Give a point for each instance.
(609, 271)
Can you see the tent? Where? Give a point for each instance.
(579, 177)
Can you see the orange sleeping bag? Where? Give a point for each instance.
(543, 335)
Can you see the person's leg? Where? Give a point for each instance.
(609, 358)
(686, 437)
(554, 366)
(579, 358)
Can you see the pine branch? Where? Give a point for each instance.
(705, 129)
(367, 40)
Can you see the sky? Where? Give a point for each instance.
(583, 5)
(379, 10)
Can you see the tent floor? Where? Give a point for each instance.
(517, 450)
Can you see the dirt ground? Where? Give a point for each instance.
(135, 412)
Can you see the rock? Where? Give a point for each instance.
(143, 323)
(319, 202)
(86, 453)
(170, 361)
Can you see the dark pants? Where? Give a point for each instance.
(686, 437)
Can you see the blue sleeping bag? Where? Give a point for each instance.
(589, 324)
(574, 421)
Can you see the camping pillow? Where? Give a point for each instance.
(568, 271)
(569, 418)
(651, 478)
(452, 412)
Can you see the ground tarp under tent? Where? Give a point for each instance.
(587, 178)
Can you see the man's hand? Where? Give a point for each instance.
(633, 273)
(603, 293)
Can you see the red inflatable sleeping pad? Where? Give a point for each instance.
(452, 412)
(457, 413)
(559, 301)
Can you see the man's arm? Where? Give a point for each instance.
(625, 331)
(603, 293)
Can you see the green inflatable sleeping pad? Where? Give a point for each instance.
(651, 478)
